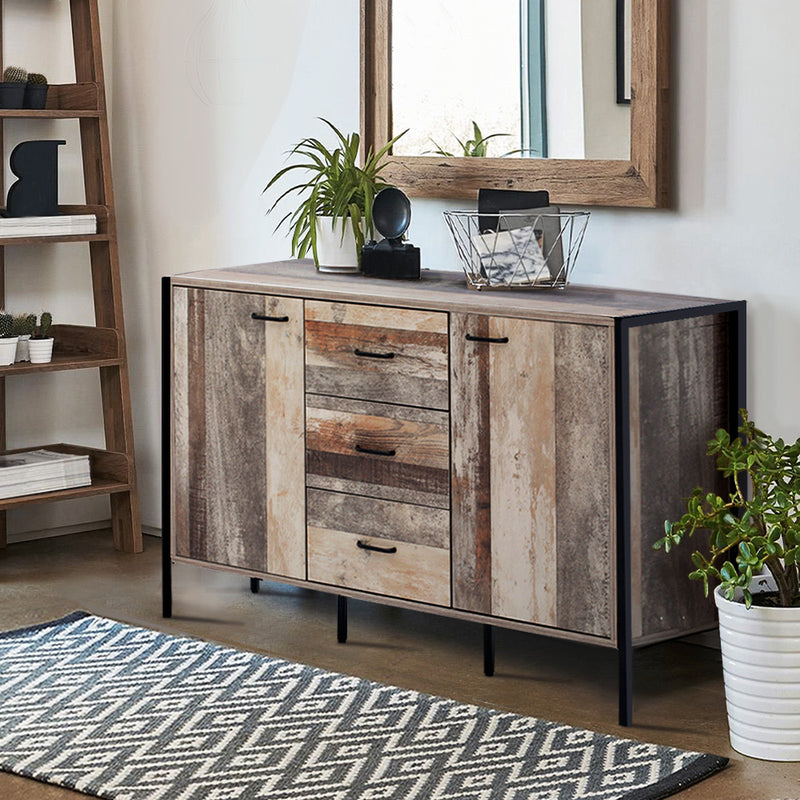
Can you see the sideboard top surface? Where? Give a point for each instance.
(447, 291)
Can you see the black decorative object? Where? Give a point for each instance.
(493, 201)
(35, 164)
(391, 257)
(35, 95)
(623, 53)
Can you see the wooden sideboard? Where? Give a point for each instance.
(504, 457)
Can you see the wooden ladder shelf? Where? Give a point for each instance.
(81, 347)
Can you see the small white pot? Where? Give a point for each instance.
(336, 254)
(761, 668)
(41, 350)
(23, 353)
(8, 350)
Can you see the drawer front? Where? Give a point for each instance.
(348, 546)
(375, 353)
(392, 452)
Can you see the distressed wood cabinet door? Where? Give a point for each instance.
(531, 427)
(238, 471)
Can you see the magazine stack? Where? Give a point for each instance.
(38, 471)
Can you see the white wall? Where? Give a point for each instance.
(190, 160)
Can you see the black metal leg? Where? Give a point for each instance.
(488, 651)
(255, 585)
(341, 619)
(624, 599)
(166, 441)
(166, 574)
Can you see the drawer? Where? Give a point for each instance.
(349, 545)
(374, 353)
(376, 449)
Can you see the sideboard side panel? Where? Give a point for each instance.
(682, 399)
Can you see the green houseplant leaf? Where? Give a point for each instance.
(332, 184)
(756, 526)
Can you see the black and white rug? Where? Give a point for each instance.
(128, 713)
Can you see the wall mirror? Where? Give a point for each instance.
(573, 95)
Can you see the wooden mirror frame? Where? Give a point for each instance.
(643, 181)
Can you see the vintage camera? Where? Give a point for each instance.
(391, 257)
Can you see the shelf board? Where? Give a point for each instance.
(110, 474)
(64, 101)
(102, 235)
(75, 347)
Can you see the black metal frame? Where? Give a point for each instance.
(737, 393)
(623, 91)
(166, 446)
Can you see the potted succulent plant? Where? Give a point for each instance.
(35, 91)
(24, 326)
(12, 87)
(41, 343)
(335, 212)
(752, 551)
(8, 339)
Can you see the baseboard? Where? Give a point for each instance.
(68, 530)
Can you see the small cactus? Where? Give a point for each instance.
(24, 324)
(37, 79)
(6, 325)
(15, 75)
(43, 329)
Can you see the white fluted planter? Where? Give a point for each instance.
(8, 350)
(41, 350)
(336, 254)
(761, 668)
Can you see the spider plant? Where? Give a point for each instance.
(476, 147)
(334, 186)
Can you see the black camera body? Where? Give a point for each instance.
(390, 258)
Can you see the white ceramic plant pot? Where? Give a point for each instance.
(336, 254)
(761, 668)
(23, 353)
(41, 350)
(8, 350)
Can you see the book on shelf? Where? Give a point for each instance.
(36, 471)
(57, 225)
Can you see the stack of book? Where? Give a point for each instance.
(57, 225)
(38, 471)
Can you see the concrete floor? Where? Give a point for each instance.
(678, 697)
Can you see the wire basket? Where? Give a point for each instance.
(517, 248)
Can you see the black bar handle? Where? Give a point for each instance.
(365, 546)
(268, 319)
(360, 449)
(490, 339)
(366, 354)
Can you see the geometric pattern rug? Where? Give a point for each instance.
(128, 713)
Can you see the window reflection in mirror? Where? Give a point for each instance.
(537, 76)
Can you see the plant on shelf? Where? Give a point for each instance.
(476, 147)
(335, 190)
(24, 326)
(753, 528)
(41, 343)
(12, 87)
(8, 339)
(36, 90)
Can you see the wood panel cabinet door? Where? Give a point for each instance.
(238, 436)
(531, 432)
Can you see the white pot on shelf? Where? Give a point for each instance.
(336, 253)
(8, 350)
(761, 669)
(41, 350)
